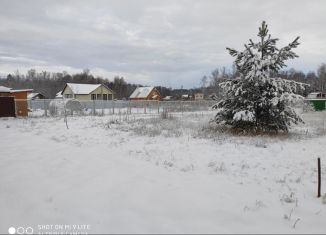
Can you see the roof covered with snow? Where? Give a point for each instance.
(21, 90)
(168, 97)
(316, 95)
(4, 89)
(59, 95)
(82, 89)
(141, 92)
(7, 89)
(32, 95)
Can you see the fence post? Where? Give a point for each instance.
(45, 109)
(65, 113)
(94, 107)
(31, 106)
(324, 122)
(113, 106)
(319, 178)
(102, 102)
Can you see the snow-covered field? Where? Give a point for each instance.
(145, 174)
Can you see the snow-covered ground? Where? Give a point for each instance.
(145, 174)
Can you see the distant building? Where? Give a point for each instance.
(199, 96)
(167, 98)
(186, 97)
(59, 95)
(318, 100)
(20, 97)
(35, 96)
(145, 93)
(87, 92)
(316, 95)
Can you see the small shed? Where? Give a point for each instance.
(35, 96)
(199, 96)
(318, 100)
(167, 98)
(145, 93)
(186, 97)
(20, 98)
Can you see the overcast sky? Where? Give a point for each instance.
(170, 43)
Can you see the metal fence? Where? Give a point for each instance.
(58, 107)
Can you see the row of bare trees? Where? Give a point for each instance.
(316, 80)
(49, 84)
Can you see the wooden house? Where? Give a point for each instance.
(87, 92)
(145, 93)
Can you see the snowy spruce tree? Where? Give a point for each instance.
(257, 101)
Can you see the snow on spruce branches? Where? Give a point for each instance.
(256, 101)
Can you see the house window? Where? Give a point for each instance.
(99, 96)
(109, 96)
(68, 96)
(105, 97)
(93, 96)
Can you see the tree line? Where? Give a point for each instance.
(316, 80)
(50, 83)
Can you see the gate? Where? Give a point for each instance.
(7, 106)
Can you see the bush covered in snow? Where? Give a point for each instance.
(58, 107)
(256, 101)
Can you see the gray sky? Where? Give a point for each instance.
(170, 43)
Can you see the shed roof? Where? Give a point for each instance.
(82, 89)
(4, 89)
(7, 89)
(141, 92)
(21, 90)
(316, 94)
(32, 95)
